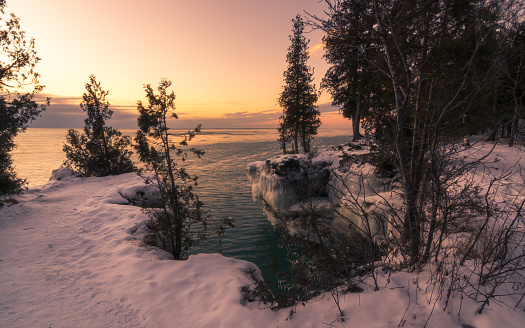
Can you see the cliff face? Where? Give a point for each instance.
(342, 180)
(282, 181)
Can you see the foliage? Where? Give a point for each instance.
(486, 254)
(424, 73)
(430, 60)
(101, 150)
(180, 223)
(300, 119)
(17, 109)
(336, 263)
(354, 83)
(258, 291)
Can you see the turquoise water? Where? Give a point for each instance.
(223, 187)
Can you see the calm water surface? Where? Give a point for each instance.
(223, 187)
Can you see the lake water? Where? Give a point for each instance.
(223, 187)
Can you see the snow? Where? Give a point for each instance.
(276, 180)
(352, 177)
(69, 259)
(360, 181)
(273, 189)
(71, 256)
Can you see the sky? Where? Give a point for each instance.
(225, 58)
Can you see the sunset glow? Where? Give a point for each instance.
(225, 58)
(316, 48)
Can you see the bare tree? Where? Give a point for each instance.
(431, 86)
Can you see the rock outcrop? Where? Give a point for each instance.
(343, 178)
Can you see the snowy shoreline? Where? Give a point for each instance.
(71, 256)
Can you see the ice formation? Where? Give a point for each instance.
(341, 177)
(362, 198)
(282, 180)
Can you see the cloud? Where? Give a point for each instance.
(58, 100)
(228, 115)
(328, 108)
(317, 48)
(244, 119)
(60, 116)
(65, 112)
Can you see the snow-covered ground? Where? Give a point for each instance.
(71, 256)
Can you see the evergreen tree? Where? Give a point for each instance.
(101, 150)
(17, 110)
(180, 223)
(432, 58)
(300, 119)
(351, 79)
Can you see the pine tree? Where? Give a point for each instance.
(180, 223)
(300, 119)
(101, 150)
(17, 110)
(351, 79)
(434, 58)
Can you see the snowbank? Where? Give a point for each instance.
(350, 180)
(71, 256)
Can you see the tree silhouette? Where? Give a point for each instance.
(180, 223)
(17, 110)
(101, 150)
(432, 61)
(351, 79)
(300, 119)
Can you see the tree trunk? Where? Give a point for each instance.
(492, 136)
(514, 125)
(402, 96)
(283, 144)
(436, 200)
(306, 147)
(356, 120)
(174, 199)
(296, 140)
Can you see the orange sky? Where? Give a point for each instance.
(225, 58)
